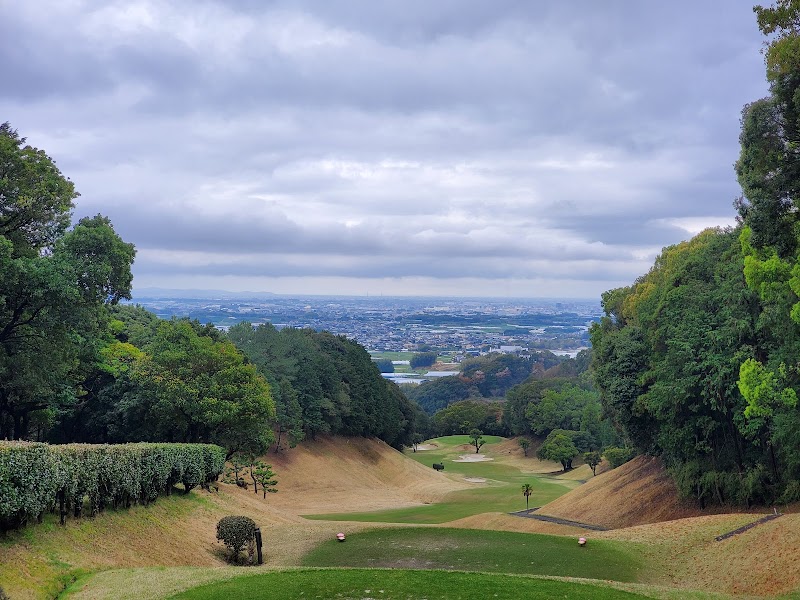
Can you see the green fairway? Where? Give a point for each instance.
(457, 505)
(500, 493)
(479, 550)
(397, 584)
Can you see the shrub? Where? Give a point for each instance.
(3, 595)
(618, 456)
(236, 532)
(34, 476)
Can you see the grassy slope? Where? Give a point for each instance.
(636, 493)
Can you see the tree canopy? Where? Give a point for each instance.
(326, 383)
(55, 285)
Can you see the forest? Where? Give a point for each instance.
(697, 360)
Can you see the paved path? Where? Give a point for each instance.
(530, 514)
(744, 528)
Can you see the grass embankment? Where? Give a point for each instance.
(650, 497)
(500, 492)
(41, 560)
(397, 584)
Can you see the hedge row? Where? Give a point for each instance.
(37, 478)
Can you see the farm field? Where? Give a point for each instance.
(169, 547)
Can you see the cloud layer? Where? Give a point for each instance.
(459, 148)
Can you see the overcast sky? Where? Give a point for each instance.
(522, 148)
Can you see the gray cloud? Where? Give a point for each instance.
(278, 144)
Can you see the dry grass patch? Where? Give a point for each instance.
(354, 475)
(505, 522)
(638, 492)
(762, 561)
(510, 452)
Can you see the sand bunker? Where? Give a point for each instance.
(472, 458)
(427, 446)
(475, 479)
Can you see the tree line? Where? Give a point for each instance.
(697, 360)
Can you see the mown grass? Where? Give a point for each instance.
(458, 505)
(480, 550)
(397, 584)
(502, 491)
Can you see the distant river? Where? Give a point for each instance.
(399, 378)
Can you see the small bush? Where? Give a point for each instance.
(3, 595)
(236, 532)
(618, 456)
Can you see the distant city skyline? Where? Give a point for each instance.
(406, 148)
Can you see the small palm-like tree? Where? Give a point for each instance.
(524, 444)
(527, 490)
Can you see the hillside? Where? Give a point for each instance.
(355, 473)
(640, 503)
(635, 493)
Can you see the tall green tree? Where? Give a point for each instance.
(560, 448)
(54, 287)
(326, 384)
(476, 435)
(195, 388)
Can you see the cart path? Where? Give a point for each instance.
(744, 528)
(530, 514)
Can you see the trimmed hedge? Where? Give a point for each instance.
(36, 478)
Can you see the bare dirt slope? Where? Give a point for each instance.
(636, 493)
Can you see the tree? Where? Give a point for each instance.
(200, 389)
(262, 474)
(54, 287)
(288, 414)
(618, 456)
(558, 447)
(439, 393)
(35, 198)
(462, 417)
(527, 490)
(236, 532)
(593, 459)
(525, 444)
(423, 359)
(326, 383)
(385, 365)
(477, 440)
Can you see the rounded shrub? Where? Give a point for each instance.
(236, 532)
(618, 456)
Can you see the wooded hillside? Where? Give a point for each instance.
(697, 360)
